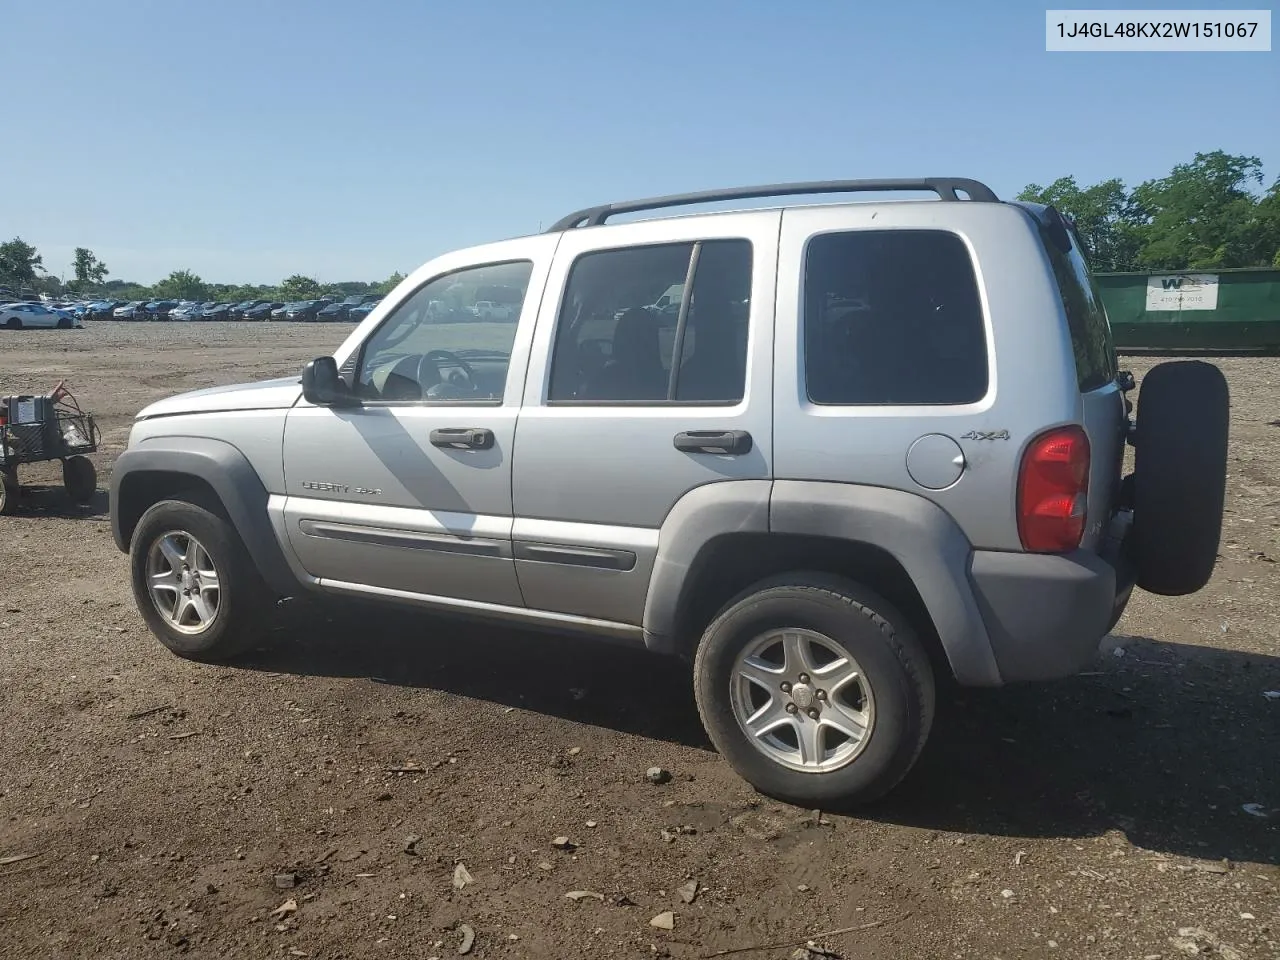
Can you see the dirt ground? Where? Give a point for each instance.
(147, 804)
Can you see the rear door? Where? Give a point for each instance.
(628, 406)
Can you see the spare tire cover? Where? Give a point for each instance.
(1180, 474)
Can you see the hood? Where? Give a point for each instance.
(264, 395)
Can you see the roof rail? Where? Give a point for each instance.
(945, 187)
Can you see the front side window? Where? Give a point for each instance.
(441, 345)
(892, 317)
(619, 329)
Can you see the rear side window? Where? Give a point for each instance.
(1091, 341)
(892, 317)
(619, 333)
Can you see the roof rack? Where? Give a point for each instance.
(947, 188)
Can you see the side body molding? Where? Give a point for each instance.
(232, 477)
(921, 536)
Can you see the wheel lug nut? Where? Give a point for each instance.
(813, 712)
(822, 694)
(792, 708)
(786, 688)
(804, 678)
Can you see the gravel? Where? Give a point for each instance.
(1111, 805)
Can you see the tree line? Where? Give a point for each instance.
(1210, 213)
(22, 268)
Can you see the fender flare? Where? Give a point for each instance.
(701, 515)
(233, 479)
(921, 536)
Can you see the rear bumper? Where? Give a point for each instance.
(1045, 614)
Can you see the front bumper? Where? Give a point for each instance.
(1045, 614)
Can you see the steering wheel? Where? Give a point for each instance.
(460, 383)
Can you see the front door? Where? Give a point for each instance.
(651, 375)
(410, 492)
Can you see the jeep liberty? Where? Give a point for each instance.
(859, 446)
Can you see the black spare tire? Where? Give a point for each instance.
(1180, 475)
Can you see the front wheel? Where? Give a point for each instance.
(815, 690)
(194, 582)
(13, 323)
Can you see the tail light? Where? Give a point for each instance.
(1053, 484)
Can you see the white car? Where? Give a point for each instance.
(488, 310)
(17, 316)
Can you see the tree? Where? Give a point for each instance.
(1203, 214)
(89, 270)
(19, 262)
(182, 285)
(1104, 216)
(389, 284)
(348, 288)
(299, 287)
(48, 284)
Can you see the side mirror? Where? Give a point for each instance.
(322, 386)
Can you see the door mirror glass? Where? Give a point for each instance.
(322, 386)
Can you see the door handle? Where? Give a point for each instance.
(462, 438)
(732, 442)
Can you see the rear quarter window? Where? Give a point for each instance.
(1091, 340)
(892, 317)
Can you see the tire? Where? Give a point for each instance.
(242, 600)
(851, 621)
(13, 323)
(1180, 475)
(9, 491)
(79, 479)
(64, 323)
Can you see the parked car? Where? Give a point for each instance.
(238, 310)
(262, 311)
(101, 309)
(356, 314)
(134, 310)
(304, 310)
(341, 310)
(490, 310)
(186, 312)
(25, 314)
(216, 311)
(159, 309)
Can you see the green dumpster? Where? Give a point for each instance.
(1194, 310)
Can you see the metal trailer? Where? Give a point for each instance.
(34, 429)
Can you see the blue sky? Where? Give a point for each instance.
(251, 140)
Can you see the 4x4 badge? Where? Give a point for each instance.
(985, 435)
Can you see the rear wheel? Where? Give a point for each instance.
(79, 478)
(64, 323)
(194, 582)
(815, 690)
(1179, 476)
(13, 323)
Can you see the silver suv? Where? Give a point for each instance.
(825, 452)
